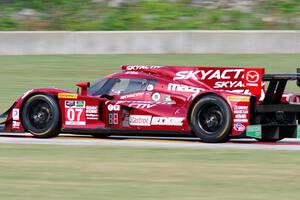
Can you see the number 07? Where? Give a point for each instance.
(74, 113)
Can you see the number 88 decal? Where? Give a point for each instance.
(113, 119)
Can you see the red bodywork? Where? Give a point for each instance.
(164, 105)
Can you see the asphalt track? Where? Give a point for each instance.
(149, 142)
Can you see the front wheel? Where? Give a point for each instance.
(211, 119)
(41, 116)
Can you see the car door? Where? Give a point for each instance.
(168, 109)
(126, 98)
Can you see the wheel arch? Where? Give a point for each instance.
(54, 96)
(221, 134)
(197, 98)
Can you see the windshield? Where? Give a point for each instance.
(119, 86)
(96, 88)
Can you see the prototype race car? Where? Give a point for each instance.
(212, 103)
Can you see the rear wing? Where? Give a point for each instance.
(275, 118)
(277, 85)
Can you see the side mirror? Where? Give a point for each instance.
(84, 87)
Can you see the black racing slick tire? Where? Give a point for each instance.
(211, 119)
(40, 116)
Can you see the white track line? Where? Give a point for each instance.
(149, 142)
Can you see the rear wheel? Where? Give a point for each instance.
(40, 116)
(211, 119)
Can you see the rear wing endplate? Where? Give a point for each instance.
(277, 85)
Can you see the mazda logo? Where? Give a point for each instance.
(252, 76)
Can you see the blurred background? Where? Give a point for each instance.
(56, 43)
(81, 15)
(59, 42)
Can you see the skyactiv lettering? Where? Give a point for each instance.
(210, 74)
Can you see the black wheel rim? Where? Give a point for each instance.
(40, 115)
(210, 118)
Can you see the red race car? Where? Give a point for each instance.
(212, 103)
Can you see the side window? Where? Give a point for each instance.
(125, 86)
(97, 88)
(120, 86)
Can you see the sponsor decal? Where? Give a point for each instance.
(226, 78)
(75, 114)
(241, 120)
(139, 120)
(247, 91)
(147, 120)
(238, 98)
(155, 96)
(252, 77)
(150, 87)
(92, 116)
(228, 84)
(137, 67)
(70, 103)
(67, 96)
(75, 104)
(116, 107)
(253, 80)
(209, 74)
(240, 110)
(80, 104)
(239, 127)
(241, 116)
(168, 98)
(92, 109)
(240, 113)
(183, 88)
(92, 112)
(254, 131)
(167, 121)
(111, 107)
(141, 105)
(241, 107)
(16, 114)
(16, 124)
(132, 95)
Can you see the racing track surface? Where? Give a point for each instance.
(154, 142)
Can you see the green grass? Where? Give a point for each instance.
(68, 172)
(148, 15)
(21, 73)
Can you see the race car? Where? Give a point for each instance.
(212, 103)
